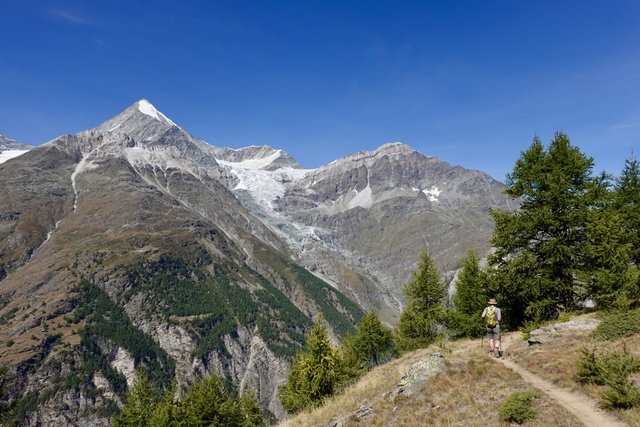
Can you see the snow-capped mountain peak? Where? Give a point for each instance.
(145, 107)
(142, 121)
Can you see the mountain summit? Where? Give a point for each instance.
(142, 121)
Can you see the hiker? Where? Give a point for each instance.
(492, 317)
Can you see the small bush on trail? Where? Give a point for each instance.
(517, 408)
(618, 324)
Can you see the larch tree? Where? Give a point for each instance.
(469, 299)
(315, 372)
(539, 247)
(627, 203)
(373, 341)
(426, 310)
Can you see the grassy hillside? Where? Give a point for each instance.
(474, 387)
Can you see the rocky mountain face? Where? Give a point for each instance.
(362, 221)
(122, 248)
(136, 245)
(10, 148)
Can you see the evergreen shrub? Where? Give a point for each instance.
(618, 324)
(517, 408)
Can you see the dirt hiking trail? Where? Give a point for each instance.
(580, 405)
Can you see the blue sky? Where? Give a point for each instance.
(470, 82)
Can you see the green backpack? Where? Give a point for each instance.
(491, 317)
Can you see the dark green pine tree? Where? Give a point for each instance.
(426, 310)
(470, 299)
(4, 407)
(539, 247)
(627, 202)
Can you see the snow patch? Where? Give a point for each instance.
(266, 186)
(51, 232)
(145, 107)
(55, 227)
(432, 194)
(10, 154)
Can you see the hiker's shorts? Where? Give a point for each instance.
(493, 333)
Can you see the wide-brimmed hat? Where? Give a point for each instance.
(492, 301)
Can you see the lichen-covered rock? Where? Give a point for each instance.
(420, 373)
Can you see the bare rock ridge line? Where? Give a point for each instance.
(580, 405)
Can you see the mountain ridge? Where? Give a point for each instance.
(303, 206)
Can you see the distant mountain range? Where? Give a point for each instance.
(361, 221)
(135, 244)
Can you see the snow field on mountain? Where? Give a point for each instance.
(10, 154)
(264, 186)
(432, 193)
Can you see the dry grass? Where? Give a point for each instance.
(370, 388)
(469, 393)
(556, 361)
